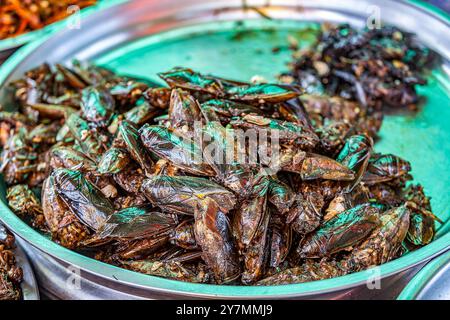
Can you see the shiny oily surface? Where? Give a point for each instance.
(246, 50)
(430, 283)
(239, 50)
(28, 285)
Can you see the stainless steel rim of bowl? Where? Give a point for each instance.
(14, 42)
(29, 284)
(199, 11)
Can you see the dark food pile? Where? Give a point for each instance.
(21, 16)
(377, 68)
(10, 274)
(105, 165)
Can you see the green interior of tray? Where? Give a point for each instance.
(240, 50)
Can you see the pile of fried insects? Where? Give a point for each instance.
(105, 164)
(10, 274)
(21, 16)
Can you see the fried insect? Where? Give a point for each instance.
(181, 151)
(384, 243)
(373, 67)
(181, 194)
(213, 235)
(311, 166)
(64, 225)
(309, 271)
(83, 198)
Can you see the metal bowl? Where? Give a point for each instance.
(142, 37)
(8, 45)
(430, 283)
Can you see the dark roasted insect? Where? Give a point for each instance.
(287, 132)
(382, 168)
(136, 232)
(229, 108)
(305, 214)
(181, 151)
(341, 232)
(181, 194)
(26, 204)
(190, 80)
(213, 235)
(385, 241)
(130, 136)
(355, 155)
(170, 269)
(70, 158)
(184, 110)
(18, 158)
(97, 105)
(280, 239)
(421, 228)
(82, 197)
